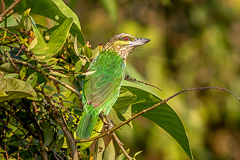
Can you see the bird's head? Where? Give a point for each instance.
(124, 43)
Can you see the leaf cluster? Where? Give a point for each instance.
(42, 71)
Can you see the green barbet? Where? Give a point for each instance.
(101, 88)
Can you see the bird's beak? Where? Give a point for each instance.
(138, 42)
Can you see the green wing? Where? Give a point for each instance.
(101, 89)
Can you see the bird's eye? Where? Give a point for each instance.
(126, 38)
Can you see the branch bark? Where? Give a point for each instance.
(36, 126)
(9, 9)
(70, 139)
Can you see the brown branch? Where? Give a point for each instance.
(70, 139)
(2, 6)
(120, 144)
(9, 9)
(152, 107)
(20, 121)
(4, 141)
(122, 123)
(60, 121)
(204, 88)
(38, 129)
(109, 124)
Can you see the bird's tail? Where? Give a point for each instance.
(86, 124)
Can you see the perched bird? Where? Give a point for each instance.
(101, 88)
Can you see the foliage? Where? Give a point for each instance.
(41, 77)
(40, 87)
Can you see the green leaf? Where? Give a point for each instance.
(56, 10)
(11, 75)
(32, 79)
(52, 144)
(15, 88)
(23, 72)
(99, 148)
(78, 66)
(123, 106)
(7, 67)
(25, 22)
(96, 51)
(56, 41)
(49, 88)
(2, 151)
(59, 36)
(48, 134)
(38, 45)
(164, 116)
(34, 42)
(11, 22)
(59, 144)
(109, 153)
(2, 93)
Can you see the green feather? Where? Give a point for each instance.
(100, 90)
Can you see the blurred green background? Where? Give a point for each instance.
(193, 43)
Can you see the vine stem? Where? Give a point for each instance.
(152, 107)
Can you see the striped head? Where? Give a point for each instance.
(124, 43)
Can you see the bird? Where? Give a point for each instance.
(101, 88)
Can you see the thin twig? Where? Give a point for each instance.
(26, 107)
(68, 135)
(109, 125)
(60, 121)
(120, 144)
(128, 78)
(152, 107)
(48, 75)
(20, 121)
(30, 141)
(204, 88)
(9, 9)
(11, 33)
(20, 49)
(4, 51)
(20, 140)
